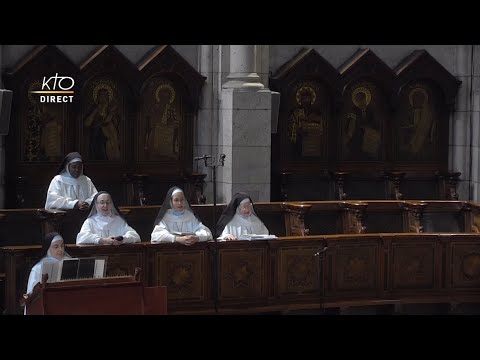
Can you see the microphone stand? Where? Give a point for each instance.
(213, 165)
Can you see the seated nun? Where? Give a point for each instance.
(53, 250)
(105, 225)
(177, 222)
(239, 218)
(70, 189)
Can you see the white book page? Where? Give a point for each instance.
(52, 269)
(99, 268)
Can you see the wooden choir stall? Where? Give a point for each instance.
(120, 295)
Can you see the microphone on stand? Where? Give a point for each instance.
(204, 157)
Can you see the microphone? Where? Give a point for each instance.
(204, 157)
(321, 251)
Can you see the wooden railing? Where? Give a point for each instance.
(297, 272)
(28, 226)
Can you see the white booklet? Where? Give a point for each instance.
(256, 237)
(74, 268)
(179, 233)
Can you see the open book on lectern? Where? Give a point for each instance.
(74, 268)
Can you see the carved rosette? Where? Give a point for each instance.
(471, 266)
(356, 270)
(240, 274)
(301, 273)
(180, 278)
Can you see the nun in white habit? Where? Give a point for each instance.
(70, 189)
(53, 250)
(239, 218)
(177, 222)
(105, 225)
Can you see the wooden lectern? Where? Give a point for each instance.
(124, 295)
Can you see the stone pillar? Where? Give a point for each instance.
(245, 129)
(461, 154)
(2, 149)
(242, 68)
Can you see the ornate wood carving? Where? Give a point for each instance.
(52, 220)
(365, 84)
(413, 265)
(39, 133)
(448, 184)
(426, 95)
(182, 272)
(355, 267)
(395, 178)
(295, 219)
(242, 273)
(302, 142)
(473, 224)
(285, 274)
(340, 178)
(299, 271)
(384, 120)
(354, 217)
(465, 271)
(108, 122)
(415, 215)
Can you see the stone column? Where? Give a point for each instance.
(244, 129)
(2, 149)
(242, 68)
(460, 151)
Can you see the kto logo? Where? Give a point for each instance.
(56, 85)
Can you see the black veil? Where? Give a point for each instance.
(167, 204)
(47, 242)
(67, 159)
(93, 209)
(230, 211)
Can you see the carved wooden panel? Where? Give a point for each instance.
(465, 269)
(103, 120)
(242, 273)
(120, 261)
(308, 120)
(42, 128)
(305, 131)
(413, 265)
(384, 120)
(355, 267)
(127, 121)
(161, 114)
(418, 122)
(183, 272)
(362, 121)
(426, 96)
(39, 133)
(299, 271)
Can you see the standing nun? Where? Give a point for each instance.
(176, 221)
(70, 189)
(239, 218)
(104, 224)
